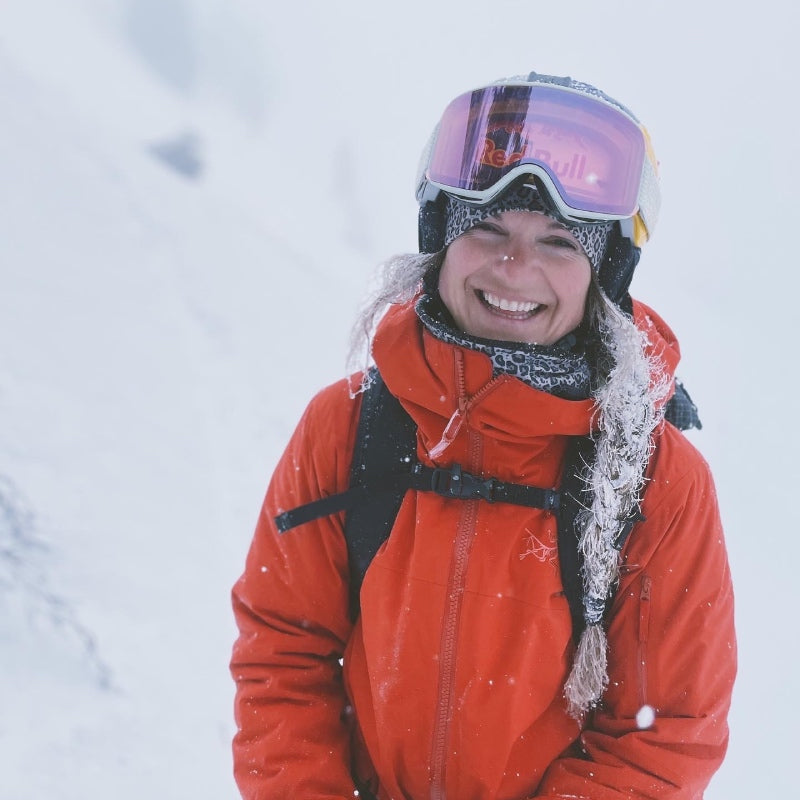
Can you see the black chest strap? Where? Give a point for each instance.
(450, 482)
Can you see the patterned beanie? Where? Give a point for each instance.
(461, 216)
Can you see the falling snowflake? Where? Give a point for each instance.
(645, 717)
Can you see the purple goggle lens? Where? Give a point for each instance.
(592, 152)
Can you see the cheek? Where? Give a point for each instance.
(451, 282)
(574, 290)
(445, 282)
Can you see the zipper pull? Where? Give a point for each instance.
(451, 430)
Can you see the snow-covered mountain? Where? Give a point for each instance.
(193, 194)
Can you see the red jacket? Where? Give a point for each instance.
(452, 685)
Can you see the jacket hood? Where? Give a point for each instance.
(662, 344)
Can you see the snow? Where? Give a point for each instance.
(645, 717)
(192, 197)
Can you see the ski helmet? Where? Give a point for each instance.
(587, 155)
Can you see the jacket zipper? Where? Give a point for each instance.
(644, 628)
(462, 547)
(464, 404)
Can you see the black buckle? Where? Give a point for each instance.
(454, 482)
(552, 500)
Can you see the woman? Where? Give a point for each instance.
(464, 675)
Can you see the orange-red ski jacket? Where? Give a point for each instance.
(452, 678)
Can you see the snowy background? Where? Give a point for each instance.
(193, 194)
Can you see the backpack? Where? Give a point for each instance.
(385, 467)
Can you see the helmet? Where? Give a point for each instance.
(588, 155)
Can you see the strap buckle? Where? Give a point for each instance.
(454, 482)
(552, 500)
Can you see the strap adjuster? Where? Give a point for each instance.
(552, 500)
(454, 482)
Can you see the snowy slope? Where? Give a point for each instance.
(192, 195)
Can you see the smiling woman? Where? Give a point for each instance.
(528, 383)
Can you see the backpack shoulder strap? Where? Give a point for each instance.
(385, 444)
(574, 498)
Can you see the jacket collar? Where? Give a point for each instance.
(431, 378)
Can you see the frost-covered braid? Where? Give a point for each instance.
(398, 280)
(629, 407)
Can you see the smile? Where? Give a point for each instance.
(521, 307)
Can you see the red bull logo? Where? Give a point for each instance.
(570, 168)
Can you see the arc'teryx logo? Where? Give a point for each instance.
(572, 167)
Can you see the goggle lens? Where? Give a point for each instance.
(592, 152)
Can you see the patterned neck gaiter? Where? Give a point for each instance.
(562, 369)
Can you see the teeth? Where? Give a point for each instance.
(509, 305)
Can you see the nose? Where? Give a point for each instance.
(520, 256)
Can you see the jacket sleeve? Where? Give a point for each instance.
(291, 608)
(661, 729)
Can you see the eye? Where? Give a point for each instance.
(562, 242)
(487, 225)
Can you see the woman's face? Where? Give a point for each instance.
(517, 277)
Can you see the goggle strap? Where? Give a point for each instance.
(649, 196)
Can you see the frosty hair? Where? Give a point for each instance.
(629, 406)
(397, 281)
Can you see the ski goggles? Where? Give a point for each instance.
(592, 158)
